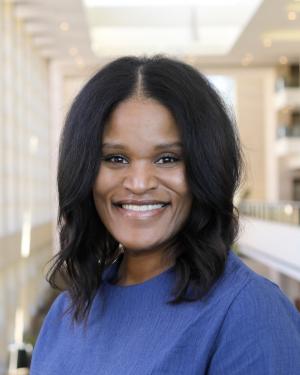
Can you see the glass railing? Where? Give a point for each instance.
(291, 81)
(283, 212)
(288, 131)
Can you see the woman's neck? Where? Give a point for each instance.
(139, 266)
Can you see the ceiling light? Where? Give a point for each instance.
(247, 59)
(267, 42)
(292, 15)
(284, 35)
(64, 26)
(79, 61)
(73, 51)
(283, 60)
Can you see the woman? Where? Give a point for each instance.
(148, 167)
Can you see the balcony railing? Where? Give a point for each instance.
(283, 212)
(288, 131)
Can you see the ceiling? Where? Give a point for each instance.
(249, 33)
(189, 27)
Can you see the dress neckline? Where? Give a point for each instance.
(111, 272)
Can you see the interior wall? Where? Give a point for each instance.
(250, 114)
(287, 175)
(256, 119)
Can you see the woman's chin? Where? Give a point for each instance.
(138, 247)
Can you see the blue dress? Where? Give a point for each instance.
(245, 326)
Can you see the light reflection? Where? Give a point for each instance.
(33, 144)
(19, 325)
(288, 209)
(26, 235)
(292, 15)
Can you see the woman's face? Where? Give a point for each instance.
(141, 192)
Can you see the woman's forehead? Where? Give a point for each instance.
(145, 119)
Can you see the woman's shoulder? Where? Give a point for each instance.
(61, 304)
(254, 297)
(243, 288)
(59, 310)
(260, 330)
(52, 334)
(238, 276)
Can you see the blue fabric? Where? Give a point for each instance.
(244, 326)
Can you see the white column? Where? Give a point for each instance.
(56, 122)
(271, 160)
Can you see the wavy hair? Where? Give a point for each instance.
(213, 163)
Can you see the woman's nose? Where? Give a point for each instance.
(140, 178)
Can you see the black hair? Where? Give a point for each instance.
(213, 161)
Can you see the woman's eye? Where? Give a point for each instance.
(167, 159)
(116, 159)
(120, 159)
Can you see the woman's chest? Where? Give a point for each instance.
(151, 344)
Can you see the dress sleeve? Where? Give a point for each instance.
(260, 334)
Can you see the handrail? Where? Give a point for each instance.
(287, 212)
(285, 131)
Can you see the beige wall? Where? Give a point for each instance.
(255, 113)
(250, 114)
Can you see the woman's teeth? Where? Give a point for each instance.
(146, 207)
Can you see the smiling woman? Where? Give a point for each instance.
(148, 167)
(141, 193)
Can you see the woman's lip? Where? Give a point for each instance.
(139, 203)
(140, 214)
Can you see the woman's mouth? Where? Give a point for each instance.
(141, 210)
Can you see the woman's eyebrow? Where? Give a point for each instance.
(157, 147)
(113, 145)
(168, 145)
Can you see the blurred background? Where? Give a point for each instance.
(249, 49)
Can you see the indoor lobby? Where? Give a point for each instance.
(248, 49)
